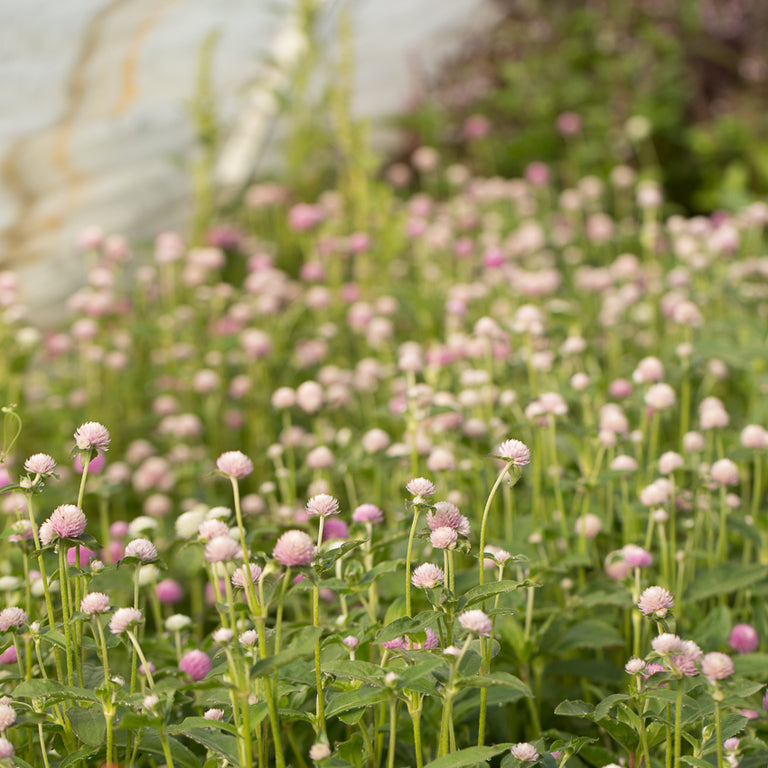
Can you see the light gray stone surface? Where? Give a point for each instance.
(94, 126)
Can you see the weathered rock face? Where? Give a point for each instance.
(94, 122)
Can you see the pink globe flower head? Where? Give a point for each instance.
(240, 575)
(123, 619)
(95, 466)
(222, 549)
(294, 548)
(142, 549)
(589, 525)
(319, 751)
(477, 622)
(94, 602)
(516, 452)
(92, 436)
(6, 749)
(419, 488)
(368, 513)
(684, 663)
(322, 505)
(40, 464)
(13, 618)
(66, 522)
(427, 576)
(335, 530)
(234, 464)
(169, 592)
(636, 557)
(444, 515)
(716, 666)
(86, 556)
(655, 601)
(744, 638)
(725, 472)
(525, 752)
(444, 538)
(9, 655)
(196, 664)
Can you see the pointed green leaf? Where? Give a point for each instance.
(51, 689)
(88, 724)
(498, 678)
(588, 634)
(369, 673)
(350, 700)
(724, 579)
(406, 626)
(484, 591)
(221, 743)
(577, 708)
(75, 758)
(468, 757)
(269, 665)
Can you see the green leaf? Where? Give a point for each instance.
(406, 626)
(201, 722)
(51, 689)
(697, 762)
(350, 700)
(72, 759)
(269, 665)
(572, 744)
(221, 743)
(369, 673)
(724, 579)
(182, 756)
(386, 567)
(604, 707)
(88, 724)
(751, 664)
(468, 757)
(588, 634)
(498, 678)
(484, 591)
(577, 708)
(396, 610)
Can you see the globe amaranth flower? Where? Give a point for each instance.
(636, 557)
(717, 666)
(123, 619)
(368, 513)
(234, 464)
(213, 714)
(6, 748)
(655, 600)
(92, 435)
(240, 574)
(66, 522)
(7, 716)
(443, 538)
(525, 752)
(514, 451)
(476, 621)
(12, 617)
(667, 643)
(427, 576)
(684, 662)
(744, 638)
(319, 751)
(94, 602)
(222, 549)
(419, 487)
(143, 549)
(294, 548)
(196, 664)
(322, 505)
(40, 464)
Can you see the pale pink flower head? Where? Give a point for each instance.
(319, 751)
(716, 666)
(368, 513)
(213, 714)
(725, 472)
(589, 526)
(419, 487)
(684, 663)
(6, 748)
(12, 618)
(445, 514)
(143, 549)
(427, 576)
(693, 442)
(322, 505)
(477, 622)
(240, 574)
(294, 548)
(669, 462)
(616, 566)
(660, 396)
(655, 601)
(754, 436)
(634, 666)
(66, 522)
(92, 436)
(234, 464)
(222, 549)
(443, 538)
(7, 716)
(169, 591)
(667, 643)
(94, 602)
(196, 664)
(351, 642)
(514, 451)
(636, 557)
(123, 619)
(525, 752)
(40, 464)
(744, 638)
(210, 529)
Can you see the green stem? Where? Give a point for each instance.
(416, 512)
(484, 520)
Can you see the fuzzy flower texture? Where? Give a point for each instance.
(514, 451)
(234, 464)
(92, 436)
(66, 522)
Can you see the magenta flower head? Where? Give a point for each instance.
(514, 451)
(66, 522)
(322, 505)
(12, 618)
(744, 638)
(294, 548)
(716, 666)
(655, 601)
(477, 622)
(92, 436)
(234, 464)
(196, 664)
(123, 619)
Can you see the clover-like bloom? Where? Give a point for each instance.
(92, 435)
(525, 752)
(445, 514)
(143, 549)
(196, 664)
(368, 513)
(655, 600)
(94, 602)
(636, 557)
(476, 621)
(12, 617)
(427, 576)
(40, 464)
(123, 619)
(234, 464)
(443, 538)
(667, 643)
(66, 522)
(514, 451)
(419, 487)
(294, 548)
(716, 666)
(222, 549)
(239, 576)
(322, 505)
(213, 714)
(7, 716)
(319, 751)
(744, 638)
(6, 748)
